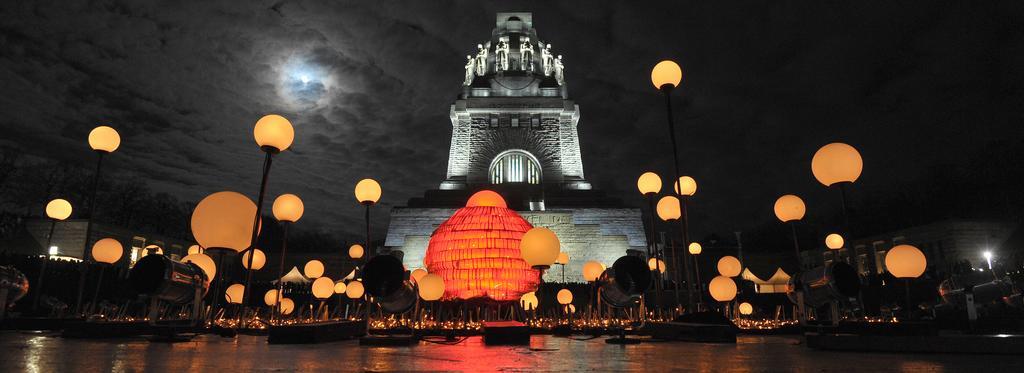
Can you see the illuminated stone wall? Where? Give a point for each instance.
(602, 234)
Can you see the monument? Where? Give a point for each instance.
(514, 131)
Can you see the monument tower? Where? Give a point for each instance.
(514, 131)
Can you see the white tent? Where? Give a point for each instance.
(778, 283)
(294, 277)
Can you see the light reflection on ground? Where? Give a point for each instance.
(24, 352)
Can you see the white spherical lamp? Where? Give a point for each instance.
(258, 260)
(564, 296)
(323, 288)
(790, 208)
(837, 163)
(58, 209)
(104, 139)
(288, 208)
(107, 250)
(273, 133)
(729, 266)
(354, 290)
(722, 288)
(539, 247)
(356, 251)
(431, 287)
(368, 191)
(834, 241)
(905, 261)
(224, 220)
(649, 183)
(592, 270)
(666, 75)
(313, 269)
(234, 293)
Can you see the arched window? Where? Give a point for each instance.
(515, 166)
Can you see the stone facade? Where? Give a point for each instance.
(511, 106)
(602, 234)
(515, 102)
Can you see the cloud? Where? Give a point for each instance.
(368, 84)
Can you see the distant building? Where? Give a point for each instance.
(69, 240)
(946, 244)
(514, 131)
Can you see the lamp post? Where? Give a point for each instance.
(234, 294)
(666, 76)
(539, 248)
(791, 209)
(322, 289)
(657, 268)
(288, 209)
(102, 140)
(564, 297)
(838, 164)
(728, 267)
(354, 290)
(57, 210)
(669, 210)
(274, 134)
(695, 249)
(685, 187)
(339, 289)
(106, 251)
(368, 192)
(429, 288)
(592, 270)
(906, 262)
(222, 223)
(722, 289)
(649, 185)
(562, 260)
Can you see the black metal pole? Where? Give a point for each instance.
(255, 234)
(667, 90)
(700, 286)
(906, 283)
(220, 282)
(652, 252)
(99, 283)
(88, 230)
(675, 273)
(368, 248)
(280, 270)
(42, 268)
(796, 244)
(366, 255)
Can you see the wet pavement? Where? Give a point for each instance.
(33, 352)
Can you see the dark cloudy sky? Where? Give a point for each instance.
(368, 85)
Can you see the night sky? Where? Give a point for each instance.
(368, 87)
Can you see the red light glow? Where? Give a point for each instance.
(476, 251)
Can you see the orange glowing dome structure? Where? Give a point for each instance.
(476, 251)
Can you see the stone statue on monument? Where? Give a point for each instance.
(481, 60)
(470, 69)
(501, 55)
(547, 60)
(559, 73)
(526, 54)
